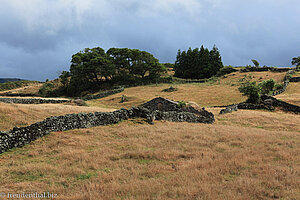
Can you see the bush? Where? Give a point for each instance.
(181, 104)
(278, 86)
(46, 90)
(251, 90)
(267, 86)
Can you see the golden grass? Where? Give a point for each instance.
(31, 88)
(202, 94)
(163, 161)
(292, 94)
(275, 121)
(23, 115)
(243, 155)
(222, 92)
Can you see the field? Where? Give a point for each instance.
(221, 92)
(243, 155)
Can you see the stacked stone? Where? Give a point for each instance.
(103, 94)
(229, 109)
(19, 136)
(32, 101)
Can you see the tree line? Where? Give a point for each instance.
(92, 69)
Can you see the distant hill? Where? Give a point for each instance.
(4, 80)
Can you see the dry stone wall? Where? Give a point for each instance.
(268, 103)
(295, 79)
(32, 101)
(264, 69)
(103, 94)
(19, 136)
(18, 94)
(284, 105)
(286, 82)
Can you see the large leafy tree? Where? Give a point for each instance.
(92, 65)
(94, 68)
(133, 62)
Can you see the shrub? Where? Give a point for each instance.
(46, 90)
(267, 86)
(278, 86)
(181, 104)
(251, 90)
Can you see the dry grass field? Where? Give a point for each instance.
(12, 115)
(243, 155)
(222, 92)
(31, 88)
(167, 160)
(292, 94)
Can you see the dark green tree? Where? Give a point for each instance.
(89, 68)
(65, 78)
(92, 69)
(198, 63)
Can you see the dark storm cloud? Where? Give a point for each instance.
(37, 38)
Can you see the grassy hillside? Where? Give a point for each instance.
(4, 80)
(292, 94)
(23, 115)
(221, 92)
(19, 86)
(243, 155)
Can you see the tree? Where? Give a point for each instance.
(135, 63)
(89, 68)
(296, 61)
(64, 78)
(255, 62)
(92, 69)
(198, 63)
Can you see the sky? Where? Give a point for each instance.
(39, 37)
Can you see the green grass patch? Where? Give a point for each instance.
(259, 127)
(144, 161)
(32, 176)
(86, 176)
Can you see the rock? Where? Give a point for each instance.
(80, 102)
(229, 109)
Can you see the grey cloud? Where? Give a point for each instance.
(37, 42)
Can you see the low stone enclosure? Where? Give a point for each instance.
(268, 103)
(32, 101)
(156, 109)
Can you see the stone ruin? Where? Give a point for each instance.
(156, 109)
(160, 107)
